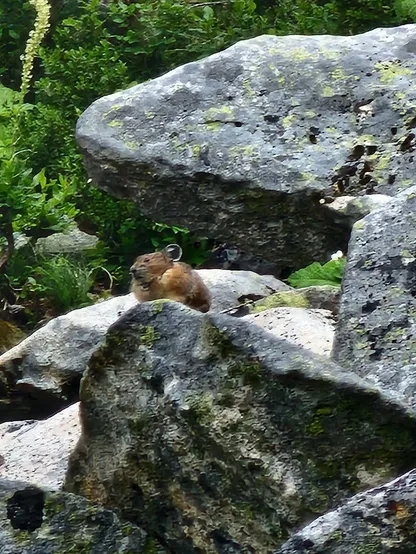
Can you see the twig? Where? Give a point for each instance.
(203, 4)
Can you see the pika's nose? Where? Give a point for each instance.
(133, 271)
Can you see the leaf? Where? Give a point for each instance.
(317, 274)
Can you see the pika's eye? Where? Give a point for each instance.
(146, 260)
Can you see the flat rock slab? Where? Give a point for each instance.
(37, 452)
(229, 288)
(312, 329)
(216, 436)
(376, 333)
(379, 521)
(242, 145)
(35, 521)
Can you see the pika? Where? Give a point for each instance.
(161, 275)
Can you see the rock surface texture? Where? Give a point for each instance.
(376, 333)
(230, 288)
(379, 521)
(312, 329)
(228, 145)
(42, 373)
(217, 437)
(34, 521)
(37, 452)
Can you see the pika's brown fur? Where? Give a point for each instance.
(157, 276)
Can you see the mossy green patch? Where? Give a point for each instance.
(157, 305)
(201, 407)
(115, 123)
(148, 335)
(249, 370)
(291, 299)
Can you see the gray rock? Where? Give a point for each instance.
(230, 288)
(35, 521)
(37, 452)
(242, 145)
(312, 329)
(323, 297)
(351, 209)
(41, 374)
(376, 333)
(379, 521)
(70, 242)
(214, 435)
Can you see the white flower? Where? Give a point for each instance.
(337, 256)
(35, 38)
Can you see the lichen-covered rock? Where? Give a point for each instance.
(230, 288)
(312, 329)
(35, 521)
(37, 452)
(218, 437)
(376, 333)
(72, 241)
(323, 297)
(379, 521)
(41, 375)
(242, 145)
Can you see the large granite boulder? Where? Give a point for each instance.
(376, 333)
(378, 521)
(41, 374)
(244, 145)
(215, 436)
(35, 521)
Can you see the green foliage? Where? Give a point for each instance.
(16, 20)
(65, 283)
(30, 202)
(406, 9)
(317, 274)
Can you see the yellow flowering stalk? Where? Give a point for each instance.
(36, 35)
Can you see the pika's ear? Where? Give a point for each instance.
(174, 251)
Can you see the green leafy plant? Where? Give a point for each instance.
(317, 274)
(65, 283)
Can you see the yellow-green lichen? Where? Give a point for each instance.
(289, 120)
(327, 91)
(157, 305)
(390, 71)
(133, 145)
(115, 123)
(213, 113)
(214, 126)
(292, 299)
(201, 407)
(148, 335)
(338, 74)
(114, 108)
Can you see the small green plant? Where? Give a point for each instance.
(317, 274)
(63, 282)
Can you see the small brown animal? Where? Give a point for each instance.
(161, 275)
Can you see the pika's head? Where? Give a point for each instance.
(151, 266)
